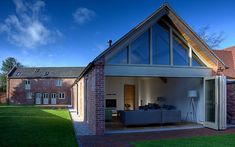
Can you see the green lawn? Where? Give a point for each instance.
(35, 126)
(206, 141)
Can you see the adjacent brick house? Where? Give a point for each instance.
(228, 57)
(41, 85)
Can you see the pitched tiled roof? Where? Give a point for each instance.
(228, 57)
(231, 48)
(45, 72)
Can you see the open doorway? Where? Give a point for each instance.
(140, 103)
(129, 97)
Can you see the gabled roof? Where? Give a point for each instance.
(190, 36)
(161, 11)
(228, 57)
(231, 48)
(45, 72)
(195, 41)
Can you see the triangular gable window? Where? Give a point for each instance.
(140, 49)
(180, 52)
(196, 61)
(120, 57)
(161, 44)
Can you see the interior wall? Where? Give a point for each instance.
(149, 89)
(177, 95)
(114, 89)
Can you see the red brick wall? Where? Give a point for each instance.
(17, 91)
(231, 103)
(3, 97)
(95, 98)
(100, 122)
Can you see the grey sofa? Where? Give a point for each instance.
(141, 117)
(136, 117)
(171, 116)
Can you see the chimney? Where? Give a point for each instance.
(109, 43)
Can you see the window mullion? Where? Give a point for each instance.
(150, 46)
(190, 56)
(171, 47)
(129, 54)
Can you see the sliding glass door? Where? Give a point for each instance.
(215, 102)
(211, 103)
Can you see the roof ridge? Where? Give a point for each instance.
(221, 51)
(45, 72)
(54, 67)
(231, 47)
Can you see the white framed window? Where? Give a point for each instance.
(29, 95)
(45, 95)
(53, 95)
(61, 95)
(58, 82)
(27, 84)
(38, 95)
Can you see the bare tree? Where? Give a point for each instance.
(213, 40)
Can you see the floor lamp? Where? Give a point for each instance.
(192, 94)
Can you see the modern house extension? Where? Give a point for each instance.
(41, 85)
(160, 72)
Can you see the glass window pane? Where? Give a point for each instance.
(161, 44)
(196, 61)
(180, 52)
(120, 57)
(210, 100)
(140, 49)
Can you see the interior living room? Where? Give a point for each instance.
(142, 103)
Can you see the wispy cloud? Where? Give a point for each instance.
(26, 28)
(83, 15)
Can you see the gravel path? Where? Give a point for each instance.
(80, 128)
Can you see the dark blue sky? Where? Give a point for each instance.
(72, 33)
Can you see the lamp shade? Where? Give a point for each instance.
(192, 93)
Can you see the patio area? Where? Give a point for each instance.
(117, 140)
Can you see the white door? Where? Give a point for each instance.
(222, 102)
(215, 102)
(53, 101)
(53, 98)
(38, 98)
(45, 98)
